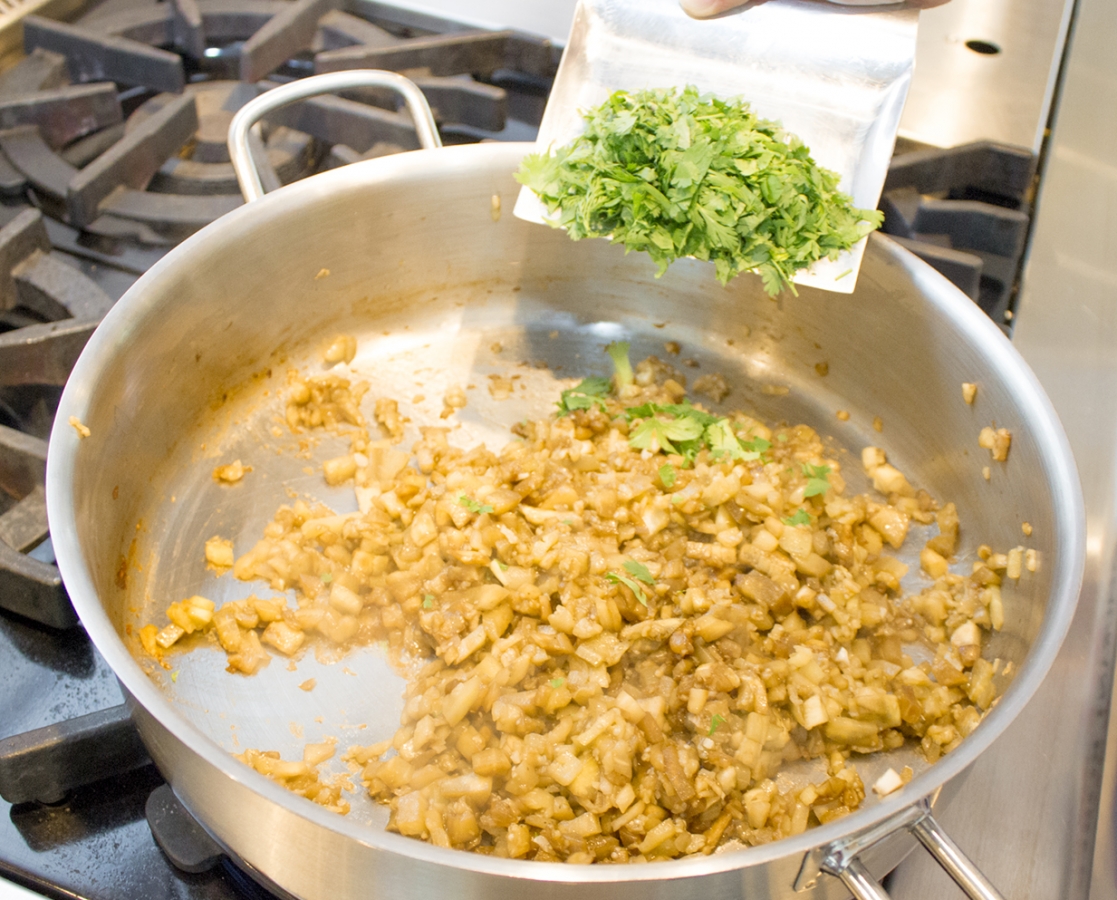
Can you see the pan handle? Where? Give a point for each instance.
(248, 176)
(840, 858)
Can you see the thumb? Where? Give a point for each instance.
(702, 9)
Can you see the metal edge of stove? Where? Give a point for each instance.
(1000, 91)
(1032, 814)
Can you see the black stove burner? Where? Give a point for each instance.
(966, 212)
(72, 787)
(166, 173)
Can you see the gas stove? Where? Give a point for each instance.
(112, 130)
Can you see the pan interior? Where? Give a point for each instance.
(439, 292)
(357, 697)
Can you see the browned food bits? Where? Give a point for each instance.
(231, 473)
(997, 441)
(619, 661)
(301, 776)
(713, 386)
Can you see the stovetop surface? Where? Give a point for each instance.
(96, 844)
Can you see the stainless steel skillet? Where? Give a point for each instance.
(412, 255)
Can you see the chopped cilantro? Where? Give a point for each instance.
(781, 437)
(682, 433)
(723, 441)
(174, 676)
(687, 431)
(632, 585)
(639, 570)
(503, 566)
(816, 480)
(556, 683)
(658, 434)
(801, 517)
(715, 723)
(473, 506)
(327, 578)
(757, 446)
(428, 602)
(667, 475)
(622, 368)
(676, 173)
(590, 393)
(682, 410)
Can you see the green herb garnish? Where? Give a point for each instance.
(682, 433)
(622, 367)
(474, 506)
(724, 442)
(816, 480)
(684, 429)
(676, 173)
(632, 585)
(556, 683)
(327, 578)
(639, 570)
(428, 601)
(590, 393)
(715, 723)
(667, 475)
(756, 448)
(801, 517)
(657, 434)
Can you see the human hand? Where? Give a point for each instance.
(704, 9)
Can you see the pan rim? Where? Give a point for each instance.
(955, 307)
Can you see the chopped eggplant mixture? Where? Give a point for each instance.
(627, 622)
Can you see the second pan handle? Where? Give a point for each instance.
(248, 176)
(840, 858)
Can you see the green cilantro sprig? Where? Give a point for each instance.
(622, 366)
(816, 480)
(639, 572)
(474, 506)
(668, 475)
(684, 429)
(590, 393)
(801, 517)
(716, 722)
(676, 173)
